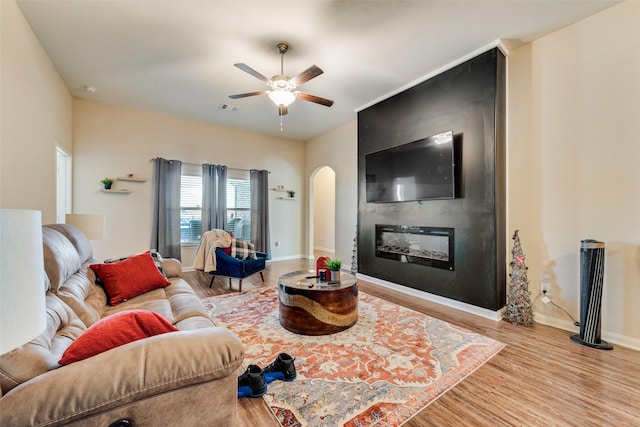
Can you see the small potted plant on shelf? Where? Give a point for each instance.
(334, 265)
(292, 193)
(107, 182)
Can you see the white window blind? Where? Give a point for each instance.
(239, 204)
(190, 208)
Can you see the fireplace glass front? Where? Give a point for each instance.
(429, 246)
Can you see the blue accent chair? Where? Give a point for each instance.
(233, 267)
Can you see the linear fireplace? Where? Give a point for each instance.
(430, 246)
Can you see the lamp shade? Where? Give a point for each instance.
(22, 284)
(92, 225)
(282, 97)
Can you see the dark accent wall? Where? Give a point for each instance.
(470, 100)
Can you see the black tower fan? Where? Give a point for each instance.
(591, 278)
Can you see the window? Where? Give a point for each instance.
(190, 205)
(239, 204)
(238, 210)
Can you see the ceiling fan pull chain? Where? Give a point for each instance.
(281, 128)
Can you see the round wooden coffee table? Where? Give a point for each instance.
(310, 307)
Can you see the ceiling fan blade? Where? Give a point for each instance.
(254, 73)
(318, 100)
(244, 95)
(283, 111)
(306, 75)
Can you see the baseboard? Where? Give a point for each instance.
(321, 249)
(287, 258)
(621, 340)
(462, 306)
(566, 325)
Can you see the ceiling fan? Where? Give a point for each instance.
(283, 88)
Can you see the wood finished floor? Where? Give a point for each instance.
(541, 378)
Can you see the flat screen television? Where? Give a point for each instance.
(418, 170)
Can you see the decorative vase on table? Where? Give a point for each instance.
(334, 265)
(322, 266)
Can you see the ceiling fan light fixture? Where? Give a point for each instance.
(282, 98)
(284, 88)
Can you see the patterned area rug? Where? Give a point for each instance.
(388, 367)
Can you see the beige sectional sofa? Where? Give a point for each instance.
(188, 377)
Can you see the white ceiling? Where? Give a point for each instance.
(176, 57)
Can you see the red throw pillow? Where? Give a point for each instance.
(227, 250)
(116, 330)
(129, 278)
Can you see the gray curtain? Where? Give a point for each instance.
(165, 231)
(214, 197)
(260, 210)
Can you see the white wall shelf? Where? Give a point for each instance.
(131, 179)
(281, 189)
(103, 190)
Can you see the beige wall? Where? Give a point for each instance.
(114, 141)
(338, 149)
(574, 104)
(35, 117)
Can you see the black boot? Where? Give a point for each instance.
(252, 383)
(281, 369)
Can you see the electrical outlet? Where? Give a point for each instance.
(545, 288)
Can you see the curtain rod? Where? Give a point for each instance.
(200, 164)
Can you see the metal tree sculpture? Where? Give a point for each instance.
(519, 311)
